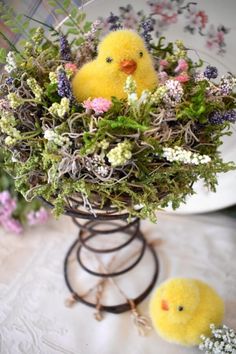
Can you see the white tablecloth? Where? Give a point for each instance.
(34, 319)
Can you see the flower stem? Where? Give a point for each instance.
(10, 43)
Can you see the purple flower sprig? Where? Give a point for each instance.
(211, 72)
(146, 29)
(114, 22)
(218, 117)
(65, 51)
(64, 85)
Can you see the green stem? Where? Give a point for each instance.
(44, 24)
(10, 43)
(31, 134)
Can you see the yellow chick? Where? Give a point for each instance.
(182, 309)
(121, 53)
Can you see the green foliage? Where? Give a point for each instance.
(122, 123)
(197, 106)
(160, 50)
(3, 54)
(17, 23)
(75, 23)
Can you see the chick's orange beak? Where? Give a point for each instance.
(164, 305)
(128, 66)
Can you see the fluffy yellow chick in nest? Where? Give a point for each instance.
(121, 53)
(182, 309)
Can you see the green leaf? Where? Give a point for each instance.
(68, 23)
(3, 54)
(74, 12)
(15, 30)
(66, 3)
(79, 41)
(52, 3)
(4, 17)
(60, 11)
(81, 17)
(26, 24)
(72, 31)
(10, 23)
(87, 26)
(19, 17)
(122, 122)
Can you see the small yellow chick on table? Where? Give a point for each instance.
(121, 53)
(182, 309)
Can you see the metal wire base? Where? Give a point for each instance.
(91, 230)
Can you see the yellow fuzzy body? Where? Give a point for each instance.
(99, 78)
(201, 307)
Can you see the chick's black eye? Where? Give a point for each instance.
(109, 59)
(180, 308)
(141, 54)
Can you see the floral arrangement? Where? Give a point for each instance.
(222, 340)
(15, 212)
(138, 153)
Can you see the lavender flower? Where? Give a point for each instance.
(218, 117)
(211, 72)
(65, 51)
(9, 80)
(147, 27)
(91, 34)
(230, 116)
(114, 22)
(64, 85)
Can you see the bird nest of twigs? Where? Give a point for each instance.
(137, 153)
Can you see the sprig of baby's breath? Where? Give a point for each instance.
(221, 341)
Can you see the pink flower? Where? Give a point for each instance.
(71, 67)
(7, 204)
(12, 225)
(38, 217)
(98, 105)
(88, 104)
(163, 76)
(182, 66)
(5, 197)
(164, 63)
(182, 77)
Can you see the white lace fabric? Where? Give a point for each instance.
(35, 320)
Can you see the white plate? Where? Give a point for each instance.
(219, 13)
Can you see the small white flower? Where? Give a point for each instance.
(49, 135)
(132, 98)
(145, 97)
(10, 62)
(185, 156)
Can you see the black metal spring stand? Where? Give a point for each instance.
(95, 227)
